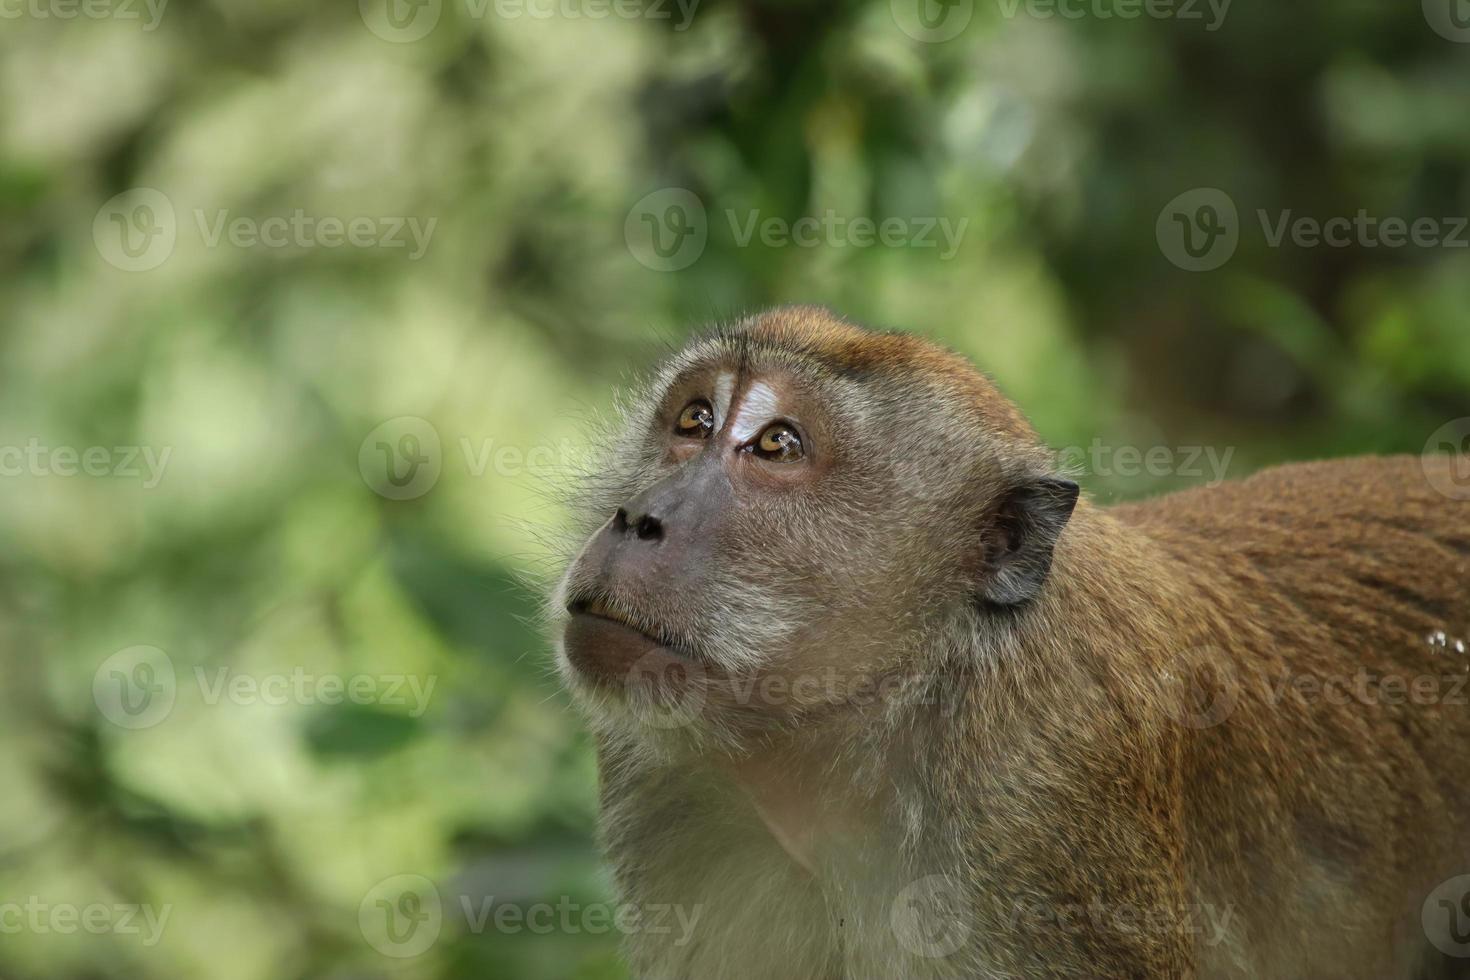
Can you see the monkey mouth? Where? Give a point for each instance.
(606, 642)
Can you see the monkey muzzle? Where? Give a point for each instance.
(652, 554)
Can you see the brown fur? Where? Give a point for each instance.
(1094, 776)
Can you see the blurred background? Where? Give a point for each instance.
(304, 308)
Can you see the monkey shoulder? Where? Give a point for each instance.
(1371, 553)
(1361, 504)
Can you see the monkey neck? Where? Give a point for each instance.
(798, 794)
(782, 800)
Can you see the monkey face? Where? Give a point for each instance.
(779, 530)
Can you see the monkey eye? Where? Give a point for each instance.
(697, 420)
(779, 442)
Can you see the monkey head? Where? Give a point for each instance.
(787, 517)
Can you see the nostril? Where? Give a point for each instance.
(649, 529)
(644, 527)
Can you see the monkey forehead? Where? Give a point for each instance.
(815, 344)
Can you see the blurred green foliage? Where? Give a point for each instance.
(525, 149)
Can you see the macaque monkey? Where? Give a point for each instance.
(877, 696)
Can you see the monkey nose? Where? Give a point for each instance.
(644, 527)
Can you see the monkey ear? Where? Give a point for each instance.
(1021, 536)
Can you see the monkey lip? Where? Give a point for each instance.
(603, 643)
